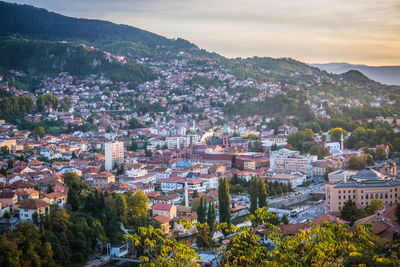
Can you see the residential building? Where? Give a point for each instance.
(103, 179)
(28, 207)
(164, 209)
(114, 153)
(287, 161)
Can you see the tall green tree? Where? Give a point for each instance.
(120, 207)
(211, 217)
(262, 194)
(224, 201)
(253, 191)
(202, 210)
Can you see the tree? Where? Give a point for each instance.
(327, 244)
(224, 201)
(32, 251)
(380, 153)
(202, 210)
(253, 192)
(120, 207)
(75, 186)
(134, 123)
(10, 164)
(235, 179)
(38, 132)
(285, 219)
(109, 129)
(35, 217)
(360, 162)
(376, 204)
(336, 134)
(4, 150)
(350, 212)
(74, 156)
(156, 250)
(9, 253)
(397, 212)
(137, 208)
(121, 170)
(327, 172)
(211, 217)
(66, 103)
(262, 194)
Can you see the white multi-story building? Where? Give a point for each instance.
(182, 142)
(114, 152)
(287, 161)
(136, 172)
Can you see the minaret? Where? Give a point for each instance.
(341, 142)
(186, 194)
(225, 137)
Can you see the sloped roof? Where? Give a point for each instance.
(32, 204)
(162, 206)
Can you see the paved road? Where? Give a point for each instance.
(309, 214)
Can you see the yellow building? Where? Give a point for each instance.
(362, 187)
(8, 143)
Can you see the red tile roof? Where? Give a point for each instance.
(162, 206)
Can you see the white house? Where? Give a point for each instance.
(28, 207)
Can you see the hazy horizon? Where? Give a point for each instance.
(314, 31)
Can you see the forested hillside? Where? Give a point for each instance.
(45, 57)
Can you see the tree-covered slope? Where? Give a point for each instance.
(37, 57)
(32, 22)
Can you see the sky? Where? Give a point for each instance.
(313, 31)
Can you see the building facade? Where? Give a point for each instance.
(114, 153)
(362, 188)
(287, 161)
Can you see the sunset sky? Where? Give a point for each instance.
(314, 31)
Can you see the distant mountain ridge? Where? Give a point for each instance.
(389, 75)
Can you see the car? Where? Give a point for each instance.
(293, 213)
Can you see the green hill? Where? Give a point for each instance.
(37, 57)
(32, 22)
(355, 76)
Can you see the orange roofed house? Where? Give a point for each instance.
(167, 210)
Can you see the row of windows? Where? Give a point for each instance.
(362, 203)
(371, 196)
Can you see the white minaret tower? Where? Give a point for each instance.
(341, 142)
(186, 194)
